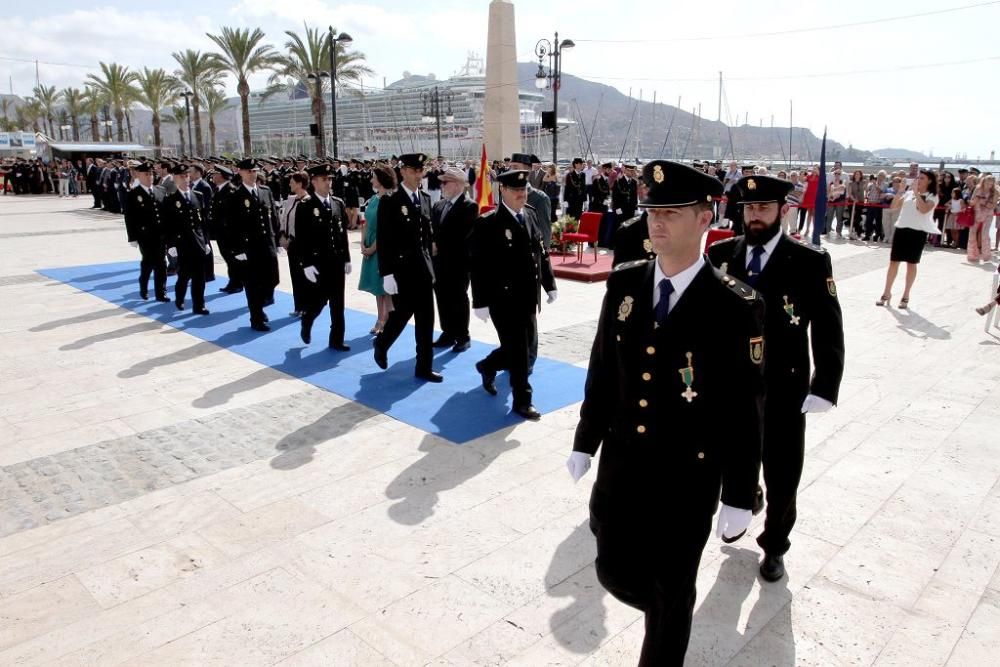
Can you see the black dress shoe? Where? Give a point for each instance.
(269, 301)
(305, 331)
(528, 412)
(201, 311)
(260, 326)
(163, 298)
(381, 358)
(340, 347)
(144, 296)
(489, 379)
(444, 341)
(461, 346)
(266, 318)
(772, 568)
(179, 304)
(758, 501)
(430, 376)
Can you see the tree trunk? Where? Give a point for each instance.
(197, 145)
(119, 118)
(128, 123)
(52, 131)
(211, 133)
(95, 135)
(156, 133)
(76, 128)
(244, 90)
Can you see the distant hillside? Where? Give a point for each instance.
(901, 154)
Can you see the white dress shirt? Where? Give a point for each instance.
(766, 255)
(680, 282)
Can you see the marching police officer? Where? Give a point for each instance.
(678, 344)
(223, 187)
(146, 231)
(404, 240)
(250, 237)
(510, 267)
(452, 219)
(321, 242)
(182, 212)
(796, 281)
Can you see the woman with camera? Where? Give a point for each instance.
(916, 221)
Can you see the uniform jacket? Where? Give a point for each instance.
(321, 233)
(217, 213)
(250, 223)
(452, 231)
(540, 201)
(659, 447)
(404, 236)
(798, 288)
(184, 228)
(509, 262)
(143, 222)
(632, 241)
(575, 186)
(599, 191)
(625, 196)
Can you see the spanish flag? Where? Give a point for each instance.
(484, 193)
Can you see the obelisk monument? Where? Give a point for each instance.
(501, 112)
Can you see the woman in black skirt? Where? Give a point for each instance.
(916, 221)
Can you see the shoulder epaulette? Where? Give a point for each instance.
(807, 244)
(721, 242)
(530, 206)
(305, 199)
(739, 288)
(337, 199)
(630, 222)
(625, 266)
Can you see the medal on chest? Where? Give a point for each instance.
(625, 308)
(687, 377)
(790, 309)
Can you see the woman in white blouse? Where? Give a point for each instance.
(916, 221)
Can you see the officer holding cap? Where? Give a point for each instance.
(678, 346)
(796, 281)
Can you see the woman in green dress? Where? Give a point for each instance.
(383, 181)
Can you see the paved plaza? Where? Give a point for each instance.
(166, 501)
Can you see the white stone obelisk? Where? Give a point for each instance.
(501, 111)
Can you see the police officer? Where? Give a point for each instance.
(632, 238)
(182, 212)
(250, 223)
(678, 344)
(146, 231)
(796, 281)
(537, 199)
(223, 187)
(321, 243)
(625, 196)
(404, 242)
(452, 219)
(510, 267)
(600, 190)
(575, 189)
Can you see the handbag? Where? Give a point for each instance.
(966, 217)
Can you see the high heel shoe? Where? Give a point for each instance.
(883, 300)
(904, 303)
(982, 310)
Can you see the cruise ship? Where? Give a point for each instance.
(383, 122)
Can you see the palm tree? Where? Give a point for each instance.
(73, 102)
(29, 113)
(311, 56)
(93, 100)
(241, 55)
(197, 71)
(215, 102)
(178, 115)
(48, 98)
(6, 104)
(117, 88)
(157, 90)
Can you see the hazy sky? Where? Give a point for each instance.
(928, 83)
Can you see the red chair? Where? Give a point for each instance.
(590, 224)
(717, 235)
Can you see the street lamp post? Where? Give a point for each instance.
(187, 94)
(553, 79)
(432, 110)
(342, 38)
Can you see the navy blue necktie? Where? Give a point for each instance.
(753, 269)
(416, 201)
(663, 305)
(520, 219)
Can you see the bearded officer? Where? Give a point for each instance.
(796, 281)
(678, 344)
(404, 241)
(182, 213)
(146, 231)
(321, 243)
(510, 267)
(250, 223)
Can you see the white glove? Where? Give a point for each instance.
(815, 404)
(242, 257)
(578, 464)
(134, 244)
(311, 273)
(347, 269)
(732, 521)
(172, 252)
(483, 314)
(208, 248)
(389, 285)
(618, 211)
(552, 296)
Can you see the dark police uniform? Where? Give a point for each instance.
(321, 242)
(404, 240)
(632, 241)
(600, 189)
(575, 192)
(185, 232)
(452, 225)
(624, 197)
(144, 226)
(220, 233)
(250, 222)
(510, 267)
(653, 397)
(798, 287)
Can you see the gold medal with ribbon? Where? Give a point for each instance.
(790, 309)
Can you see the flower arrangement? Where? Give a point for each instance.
(565, 224)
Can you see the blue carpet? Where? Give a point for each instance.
(458, 409)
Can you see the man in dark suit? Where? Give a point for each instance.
(452, 219)
(575, 189)
(510, 268)
(222, 188)
(250, 223)
(186, 240)
(404, 241)
(93, 180)
(321, 243)
(146, 231)
(678, 344)
(796, 281)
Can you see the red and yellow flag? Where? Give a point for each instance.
(484, 193)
